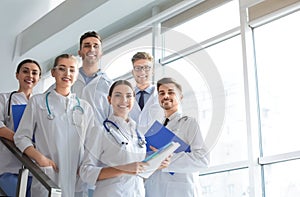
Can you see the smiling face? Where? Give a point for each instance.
(122, 100)
(65, 73)
(90, 51)
(142, 72)
(28, 76)
(169, 98)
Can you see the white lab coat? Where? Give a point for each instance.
(184, 182)
(60, 139)
(8, 161)
(95, 92)
(103, 150)
(151, 112)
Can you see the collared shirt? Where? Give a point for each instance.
(148, 92)
(88, 79)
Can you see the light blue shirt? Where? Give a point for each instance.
(86, 78)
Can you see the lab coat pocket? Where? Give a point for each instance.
(179, 189)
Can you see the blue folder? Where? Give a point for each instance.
(158, 136)
(17, 112)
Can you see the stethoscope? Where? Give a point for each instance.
(51, 116)
(9, 103)
(141, 141)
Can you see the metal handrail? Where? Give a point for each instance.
(54, 190)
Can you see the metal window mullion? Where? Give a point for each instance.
(279, 158)
(224, 168)
(251, 104)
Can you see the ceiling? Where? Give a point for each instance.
(44, 29)
(59, 30)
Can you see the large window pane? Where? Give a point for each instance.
(232, 144)
(118, 62)
(225, 59)
(277, 52)
(226, 184)
(283, 179)
(207, 25)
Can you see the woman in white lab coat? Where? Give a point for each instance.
(59, 121)
(28, 74)
(114, 154)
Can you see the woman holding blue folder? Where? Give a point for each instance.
(28, 74)
(181, 176)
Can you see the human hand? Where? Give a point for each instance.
(133, 168)
(165, 163)
(45, 162)
(153, 148)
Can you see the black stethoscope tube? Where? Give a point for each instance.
(9, 103)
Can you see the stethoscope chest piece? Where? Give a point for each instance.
(50, 116)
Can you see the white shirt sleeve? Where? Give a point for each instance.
(189, 162)
(89, 169)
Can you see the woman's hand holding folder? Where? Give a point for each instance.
(165, 163)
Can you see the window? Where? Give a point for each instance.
(277, 53)
(220, 62)
(227, 184)
(118, 62)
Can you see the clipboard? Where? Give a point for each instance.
(158, 136)
(17, 112)
(154, 160)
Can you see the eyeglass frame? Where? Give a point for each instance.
(145, 68)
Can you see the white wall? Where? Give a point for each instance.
(16, 15)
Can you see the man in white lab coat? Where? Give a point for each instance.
(146, 109)
(92, 84)
(180, 178)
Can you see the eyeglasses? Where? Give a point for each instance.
(140, 68)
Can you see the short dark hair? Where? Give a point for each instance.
(90, 34)
(141, 55)
(168, 80)
(119, 82)
(66, 56)
(28, 61)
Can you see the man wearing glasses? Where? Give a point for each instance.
(146, 108)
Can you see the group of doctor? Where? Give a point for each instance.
(88, 131)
